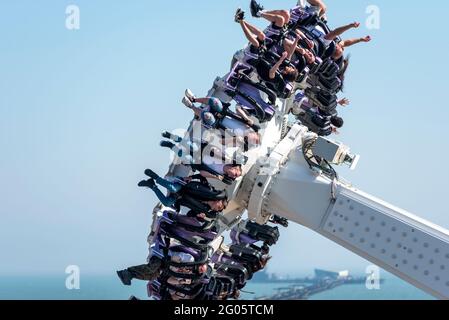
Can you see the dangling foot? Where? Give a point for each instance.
(167, 144)
(264, 261)
(187, 102)
(171, 136)
(189, 95)
(256, 9)
(147, 184)
(239, 15)
(125, 276)
(151, 174)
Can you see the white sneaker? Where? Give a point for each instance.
(189, 94)
(186, 101)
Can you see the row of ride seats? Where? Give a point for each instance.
(322, 78)
(226, 273)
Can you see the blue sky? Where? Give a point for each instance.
(81, 113)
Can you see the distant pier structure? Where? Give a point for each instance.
(304, 288)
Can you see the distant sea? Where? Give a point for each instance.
(110, 288)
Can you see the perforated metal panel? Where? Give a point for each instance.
(395, 240)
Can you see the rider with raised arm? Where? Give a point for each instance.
(341, 45)
(268, 72)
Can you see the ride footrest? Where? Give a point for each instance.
(247, 255)
(331, 84)
(329, 69)
(235, 271)
(267, 234)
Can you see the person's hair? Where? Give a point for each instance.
(225, 202)
(291, 74)
(239, 166)
(156, 266)
(343, 70)
(246, 139)
(337, 121)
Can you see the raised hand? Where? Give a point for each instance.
(344, 102)
(201, 216)
(299, 34)
(310, 57)
(367, 39)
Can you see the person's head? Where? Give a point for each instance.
(310, 57)
(337, 122)
(290, 74)
(181, 257)
(218, 205)
(339, 51)
(215, 105)
(343, 70)
(233, 171)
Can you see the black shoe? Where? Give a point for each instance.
(147, 184)
(167, 144)
(256, 8)
(279, 220)
(239, 15)
(166, 135)
(151, 174)
(171, 136)
(133, 298)
(125, 276)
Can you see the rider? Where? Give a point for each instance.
(240, 129)
(314, 119)
(152, 270)
(279, 18)
(192, 192)
(212, 163)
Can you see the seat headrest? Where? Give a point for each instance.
(330, 50)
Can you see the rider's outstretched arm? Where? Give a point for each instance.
(278, 65)
(320, 4)
(339, 31)
(351, 42)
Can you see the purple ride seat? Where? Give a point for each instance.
(238, 238)
(239, 89)
(298, 14)
(255, 94)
